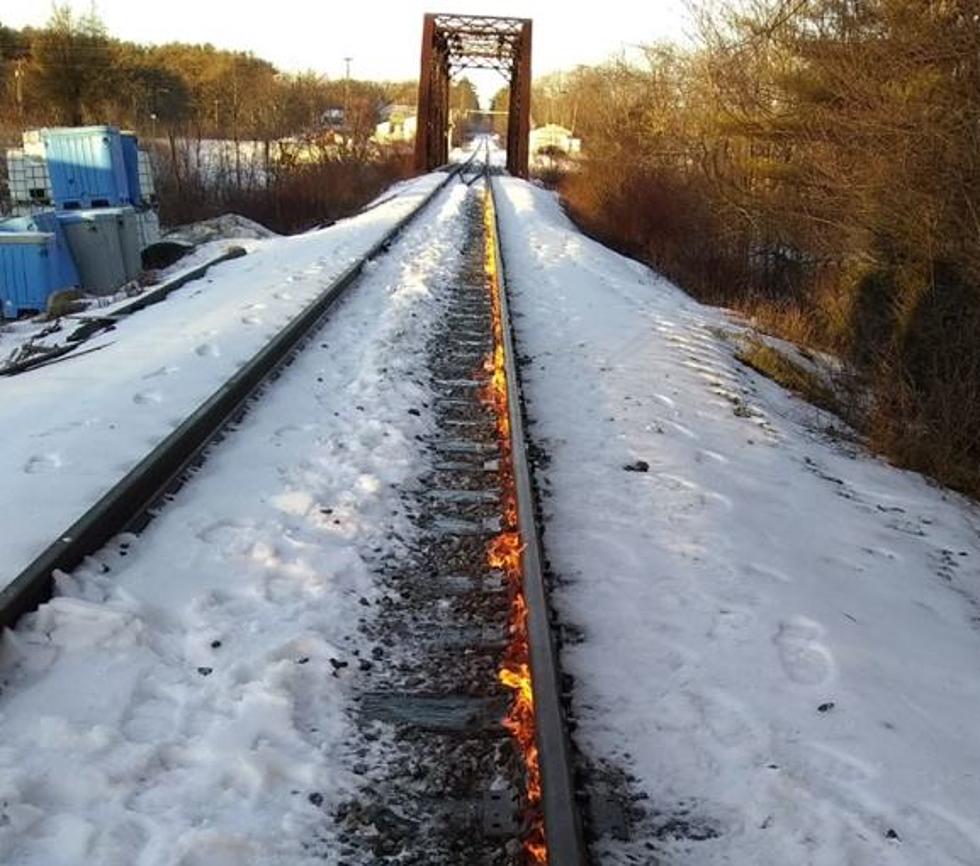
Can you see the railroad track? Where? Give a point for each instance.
(464, 716)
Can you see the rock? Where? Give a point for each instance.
(65, 302)
(163, 254)
(638, 466)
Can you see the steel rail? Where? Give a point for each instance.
(147, 483)
(562, 823)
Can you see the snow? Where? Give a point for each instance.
(780, 636)
(20, 337)
(226, 226)
(779, 632)
(72, 429)
(176, 703)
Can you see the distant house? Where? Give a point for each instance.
(333, 118)
(551, 137)
(398, 124)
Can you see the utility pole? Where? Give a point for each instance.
(19, 85)
(347, 61)
(347, 120)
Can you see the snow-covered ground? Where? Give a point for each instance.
(41, 332)
(780, 636)
(71, 430)
(780, 639)
(222, 227)
(183, 701)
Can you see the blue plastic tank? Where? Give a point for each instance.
(86, 166)
(27, 272)
(66, 274)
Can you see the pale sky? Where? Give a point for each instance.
(381, 37)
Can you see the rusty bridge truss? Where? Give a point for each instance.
(453, 43)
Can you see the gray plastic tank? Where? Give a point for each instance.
(95, 241)
(127, 221)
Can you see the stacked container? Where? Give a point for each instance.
(65, 272)
(101, 187)
(35, 262)
(30, 185)
(27, 271)
(96, 244)
(148, 191)
(142, 193)
(85, 164)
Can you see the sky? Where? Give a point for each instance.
(382, 38)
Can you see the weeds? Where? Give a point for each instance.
(286, 199)
(778, 366)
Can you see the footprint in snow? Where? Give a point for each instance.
(954, 837)
(711, 371)
(731, 622)
(699, 494)
(42, 463)
(207, 350)
(705, 453)
(756, 569)
(804, 657)
(148, 398)
(684, 431)
(251, 320)
(726, 718)
(163, 371)
(837, 765)
(63, 428)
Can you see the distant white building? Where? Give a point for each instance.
(552, 137)
(399, 124)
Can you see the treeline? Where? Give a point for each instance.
(214, 118)
(815, 163)
(73, 72)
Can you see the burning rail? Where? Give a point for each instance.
(527, 666)
(529, 669)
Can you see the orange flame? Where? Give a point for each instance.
(504, 552)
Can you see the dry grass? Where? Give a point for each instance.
(295, 199)
(773, 364)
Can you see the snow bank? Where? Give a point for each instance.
(224, 227)
(780, 637)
